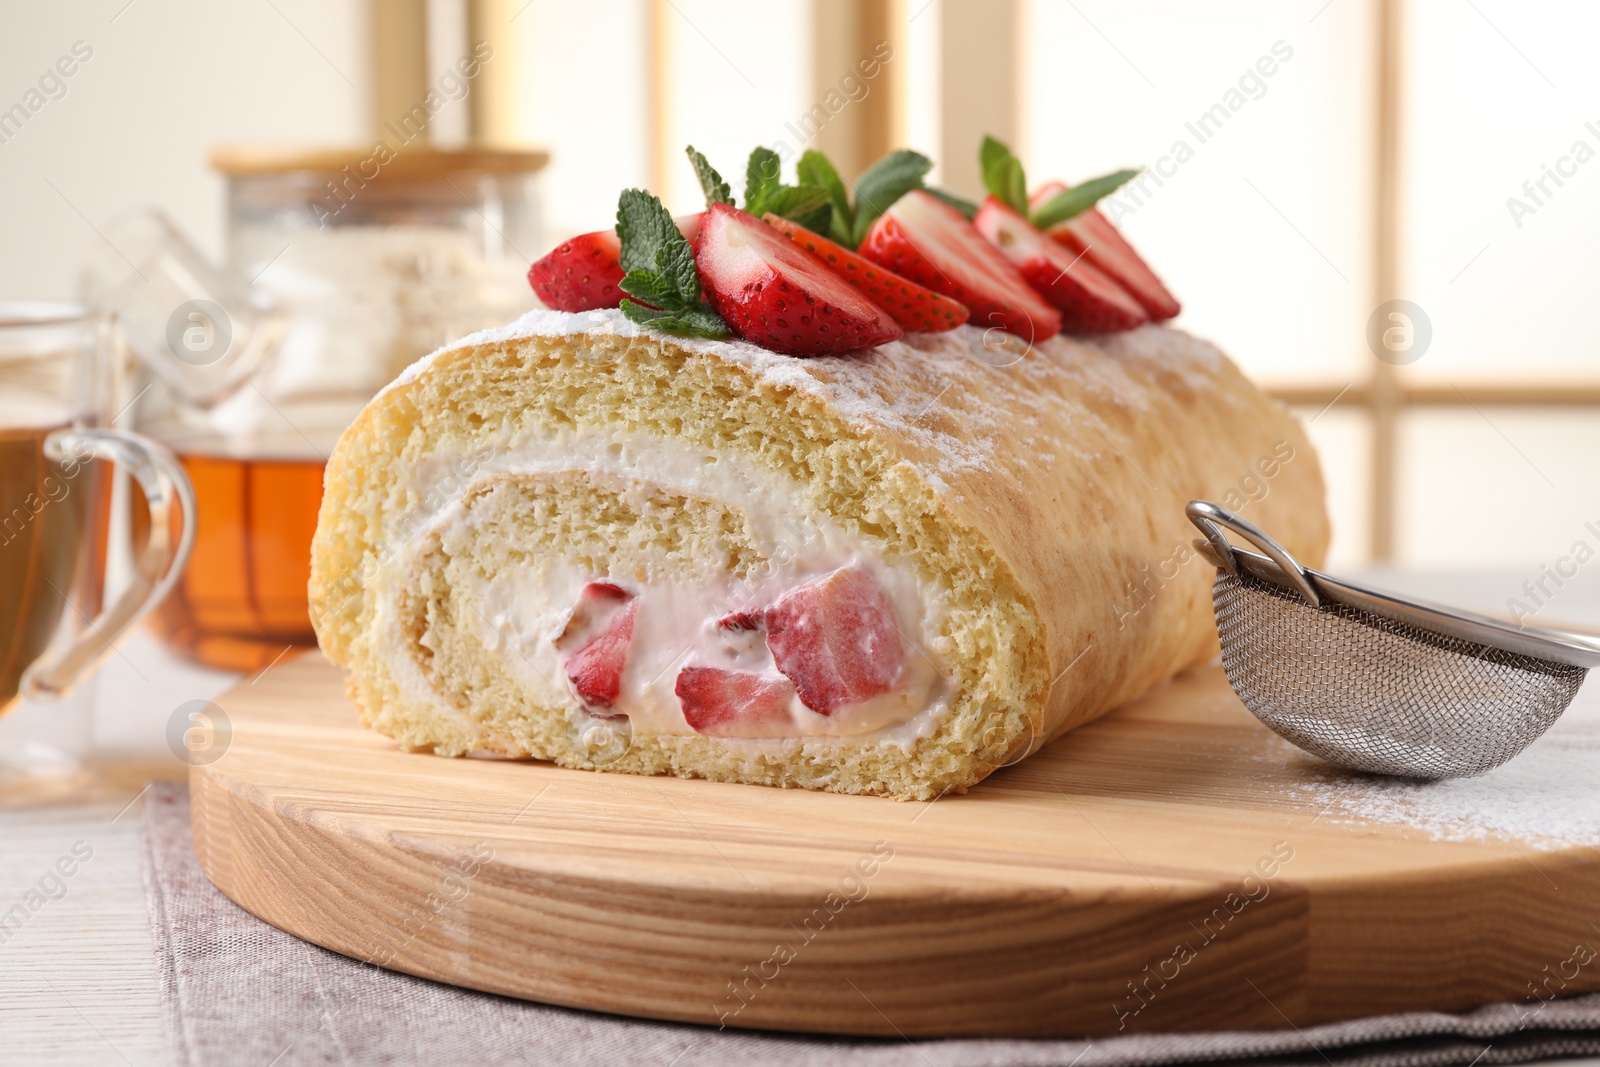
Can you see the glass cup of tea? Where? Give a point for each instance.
(56, 460)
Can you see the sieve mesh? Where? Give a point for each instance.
(1370, 693)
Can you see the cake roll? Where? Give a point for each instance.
(893, 572)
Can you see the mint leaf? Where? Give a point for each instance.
(660, 270)
(651, 288)
(960, 203)
(675, 263)
(815, 169)
(886, 181)
(1080, 198)
(795, 201)
(717, 191)
(643, 226)
(696, 321)
(765, 191)
(819, 221)
(644, 315)
(1002, 175)
(762, 178)
(876, 191)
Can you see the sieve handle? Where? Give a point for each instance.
(1209, 519)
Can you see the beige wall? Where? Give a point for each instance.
(1265, 233)
(979, 65)
(166, 80)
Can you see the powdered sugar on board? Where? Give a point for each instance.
(1547, 798)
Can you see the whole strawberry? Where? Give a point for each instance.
(585, 273)
(581, 274)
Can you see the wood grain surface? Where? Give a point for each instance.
(1164, 868)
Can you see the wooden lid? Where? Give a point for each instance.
(412, 162)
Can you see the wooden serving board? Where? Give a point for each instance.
(1112, 882)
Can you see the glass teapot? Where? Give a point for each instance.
(343, 267)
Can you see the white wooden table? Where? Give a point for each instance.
(77, 979)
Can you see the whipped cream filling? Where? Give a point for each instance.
(521, 613)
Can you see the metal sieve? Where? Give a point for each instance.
(1377, 682)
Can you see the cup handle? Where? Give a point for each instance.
(155, 572)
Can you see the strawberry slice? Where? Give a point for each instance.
(689, 225)
(916, 309)
(740, 621)
(593, 604)
(1111, 252)
(775, 294)
(924, 239)
(602, 590)
(835, 639)
(603, 622)
(585, 273)
(722, 703)
(595, 669)
(1089, 301)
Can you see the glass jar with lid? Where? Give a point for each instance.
(379, 257)
(368, 259)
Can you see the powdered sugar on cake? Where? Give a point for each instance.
(983, 381)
